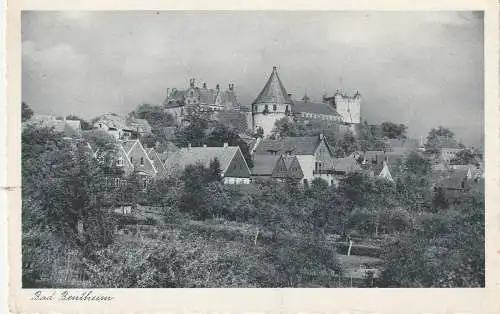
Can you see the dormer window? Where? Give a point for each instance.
(131, 159)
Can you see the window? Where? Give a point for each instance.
(142, 161)
(120, 161)
(266, 109)
(274, 107)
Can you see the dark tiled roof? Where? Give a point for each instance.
(263, 165)
(127, 145)
(204, 155)
(314, 107)
(274, 91)
(305, 145)
(289, 173)
(403, 144)
(346, 164)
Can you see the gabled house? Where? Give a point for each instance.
(385, 173)
(287, 168)
(343, 166)
(138, 157)
(157, 162)
(312, 152)
(234, 169)
(263, 166)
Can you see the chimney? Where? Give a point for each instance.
(157, 144)
(290, 95)
(217, 87)
(274, 68)
(189, 145)
(231, 87)
(191, 83)
(205, 85)
(321, 136)
(226, 145)
(204, 145)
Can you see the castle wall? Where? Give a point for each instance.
(349, 108)
(267, 120)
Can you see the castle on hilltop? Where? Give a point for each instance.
(206, 99)
(273, 103)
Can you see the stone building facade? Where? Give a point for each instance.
(272, 104)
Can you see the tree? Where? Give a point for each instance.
(155, 115)
(417, 164)
(215, 170)
(99, 139)
(85, 125)
(392, 130)
(221, 134)
(439, 200)
(285, 127)
(67, 188)
(196, 130)
(348, 144)
(195, 195)
(259, 132)
(26, 112)
(438, 138)
(444, 249)
(464, 157)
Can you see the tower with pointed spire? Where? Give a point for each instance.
(272, 104)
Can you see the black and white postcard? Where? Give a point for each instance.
(159, 150)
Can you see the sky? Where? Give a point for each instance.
(422, 69)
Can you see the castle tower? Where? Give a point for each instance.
(272, 104)
(349, 107)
